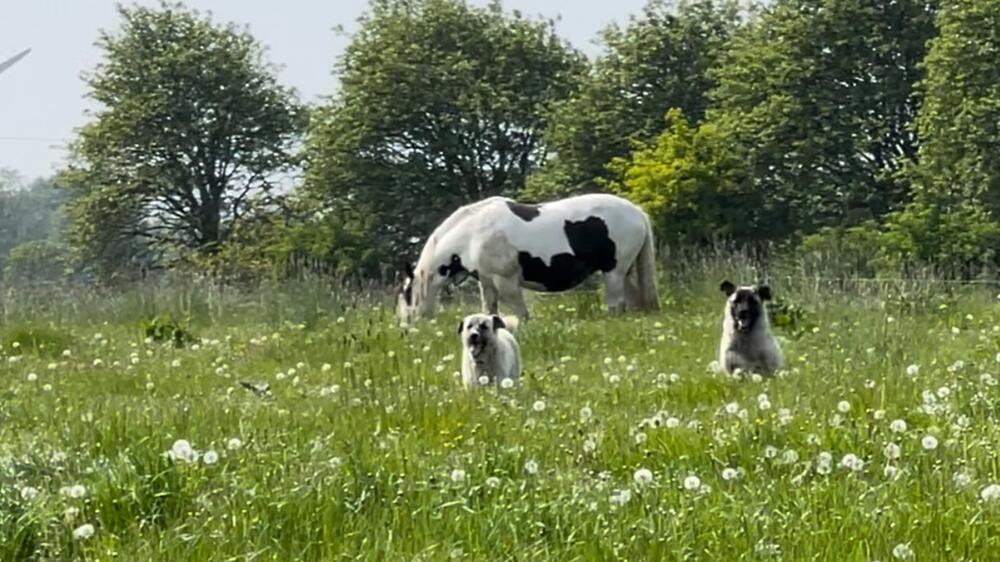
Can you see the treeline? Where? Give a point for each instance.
(868, 131)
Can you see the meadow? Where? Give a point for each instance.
(123, 439)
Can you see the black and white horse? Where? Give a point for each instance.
(551, 247)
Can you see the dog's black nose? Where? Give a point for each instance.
(474, 337)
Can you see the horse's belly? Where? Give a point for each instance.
(565, 272)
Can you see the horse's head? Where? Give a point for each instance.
(404, 297)
(418, 293)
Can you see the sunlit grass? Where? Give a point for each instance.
(620, 443)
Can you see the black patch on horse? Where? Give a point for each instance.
(524, 211)
(455, 271)
(593, 250)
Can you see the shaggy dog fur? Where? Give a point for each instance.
(747, 343)
(489, 349)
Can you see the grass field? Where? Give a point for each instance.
(878, 443)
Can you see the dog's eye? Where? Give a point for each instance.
(484, 326)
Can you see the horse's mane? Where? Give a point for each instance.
(449, 223)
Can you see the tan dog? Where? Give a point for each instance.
(490, 352)
(747, 343)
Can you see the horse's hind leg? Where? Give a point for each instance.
(614, 283)
(490, 296)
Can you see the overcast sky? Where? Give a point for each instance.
(42, 97)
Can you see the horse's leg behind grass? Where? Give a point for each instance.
(512, 295)
(615, 293)
(490, 296)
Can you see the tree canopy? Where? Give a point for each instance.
(191, 124)
(440, 104)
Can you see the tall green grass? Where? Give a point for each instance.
(368, 448)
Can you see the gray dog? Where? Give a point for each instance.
(747, 343)
(490, 352)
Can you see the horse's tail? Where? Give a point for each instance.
(644, 272)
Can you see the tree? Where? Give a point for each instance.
(689, 182)
(959, 123)
(818, 96)
(28, 212)
(954, 221)
(658, 62)
(192, 124)
(440, 104)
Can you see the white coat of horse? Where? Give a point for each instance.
(550, 247)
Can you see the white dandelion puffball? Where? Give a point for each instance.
(902, 551)
(770, 451)
(732, 408)
(538, 406)
(531, 467)
(234, 444)
(730, 474)
(692, 483)
(961, 479)
(507, 383)
(890, 472)
(589, 446)
(28, 493)
(640, 438)
(852, 462)
(182, 451)
(913, 370)
(620, 497)
(210, 457)
(83, 532)
(493, 482)
(843, 406)
(790, 456)
(878, 415)
(643, 476)
(32, 377)
(893, 451)
(75, 491)
(672, 422)
(929, 442)
(586, 413)
(458, 476)
(990, 493)
(326, 367)
(483, 379)
(897, 426)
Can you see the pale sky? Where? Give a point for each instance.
(42, 96)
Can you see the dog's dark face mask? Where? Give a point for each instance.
(746, 305)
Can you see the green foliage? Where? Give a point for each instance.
(37, 262)
(191, 123)
(790, 319)
(818, 97)
(689, 183)
(844, 252)
(28, 212)
(957, 241)
(658, 61)
(166, 329)
(953, 223)
(440, 104)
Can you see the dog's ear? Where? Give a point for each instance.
(498, 323)
(461, 324)
(764, 292)
(727, 287)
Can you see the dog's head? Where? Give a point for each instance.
(479, 330)
(745, 305)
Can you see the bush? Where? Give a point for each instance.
(37, 262)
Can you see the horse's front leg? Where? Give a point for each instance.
(513, 296)
(490, 296)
